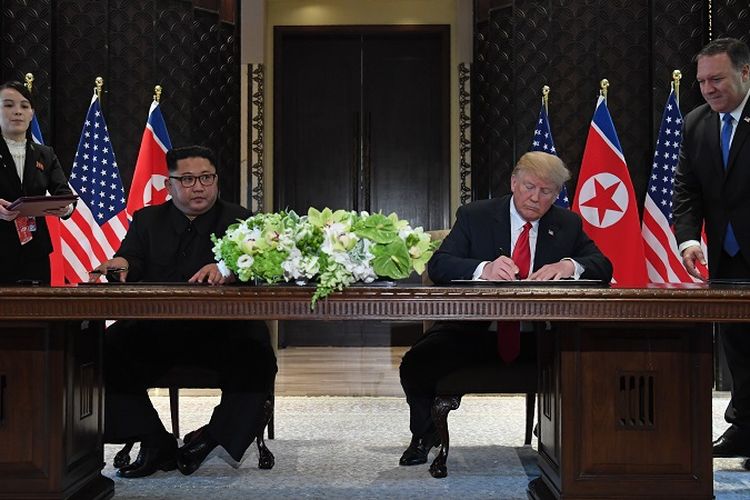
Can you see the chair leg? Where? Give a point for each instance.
(530, 403)
(271, 433)
(122, 458)
(174, 410)
(266, 459)
(440, 408)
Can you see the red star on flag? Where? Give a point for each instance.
(603, 200)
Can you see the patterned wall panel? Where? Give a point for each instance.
(536, 62)
(133, 45)
(228, 144)
(523, 44)
(480, 87)
(210, 109)
(79, 56)
(731, 18)
(129, 87)
(173, 53)
(25, 48)
(492, 106)
(678, 28)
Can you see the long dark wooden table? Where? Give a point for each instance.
(625, 398)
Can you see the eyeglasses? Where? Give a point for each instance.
(188, 181)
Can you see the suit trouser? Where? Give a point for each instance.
(137, 353)
(443, 349)
(735, 338)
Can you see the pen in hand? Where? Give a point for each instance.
(503, 253)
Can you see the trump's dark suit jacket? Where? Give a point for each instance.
(482, 233)
(42, 172)
(703, 189)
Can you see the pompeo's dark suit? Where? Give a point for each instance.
(705, 190)
(482, 233)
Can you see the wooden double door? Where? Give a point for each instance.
(361, 122)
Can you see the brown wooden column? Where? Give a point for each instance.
(51, 411)
(625, 408)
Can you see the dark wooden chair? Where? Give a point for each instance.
(519, 377)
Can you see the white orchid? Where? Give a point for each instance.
(335, 249)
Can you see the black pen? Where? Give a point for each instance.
(111, 270)
(503, 253)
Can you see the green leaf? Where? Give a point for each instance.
(391, 260)
(377, 228)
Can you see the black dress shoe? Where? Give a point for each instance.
(733, 443)
(150, 460)
(418, 449)
(194, 452)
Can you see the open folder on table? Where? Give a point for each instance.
(39, 205)
(584, 283)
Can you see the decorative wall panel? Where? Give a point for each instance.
(523, 44)
(133, 45)
(129, 88)
(25, 48)
(492, 95)
(173, 52)
(256, 108)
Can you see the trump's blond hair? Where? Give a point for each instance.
(545, 166)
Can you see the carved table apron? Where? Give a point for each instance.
(625, 377)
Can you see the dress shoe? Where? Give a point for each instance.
(150, 460)
(418, 449)
(733, 443)
(194, 452)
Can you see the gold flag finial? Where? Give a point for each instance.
(676, 77)
(99, 84)
(157, 93)
(604, 87)
(545, 98)
(29, 83)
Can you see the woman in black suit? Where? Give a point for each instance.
(26, 169)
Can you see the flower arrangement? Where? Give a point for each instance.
(335, 249)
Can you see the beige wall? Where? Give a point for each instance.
(357, 12)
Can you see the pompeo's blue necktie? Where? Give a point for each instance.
(730, 242)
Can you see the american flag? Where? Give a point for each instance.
(543, 142)
(99, 222)
(663, 261)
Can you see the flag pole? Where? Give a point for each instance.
(29, 83)
(545, 98)
(676, 77)
(604, 87)
(157, 93)
(98, 89)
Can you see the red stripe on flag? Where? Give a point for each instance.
(56, 261)
(661, 248)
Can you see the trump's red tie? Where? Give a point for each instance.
(509, 332)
